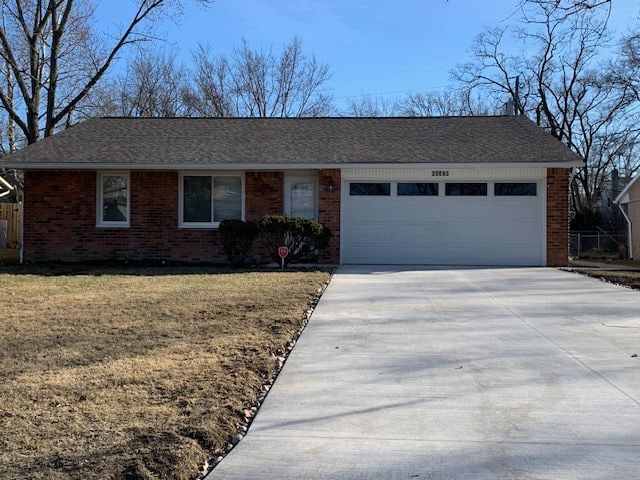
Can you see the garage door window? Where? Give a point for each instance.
(516, 190)
(417, 189)
(466, 189)
(370, 189)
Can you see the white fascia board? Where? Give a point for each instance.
(276, 166)
(624, 195)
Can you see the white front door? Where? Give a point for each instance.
(301, 194)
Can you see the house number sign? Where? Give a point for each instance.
(440, 173)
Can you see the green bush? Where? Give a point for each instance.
(237, 237)
(301, 235)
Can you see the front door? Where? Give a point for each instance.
(301, 196)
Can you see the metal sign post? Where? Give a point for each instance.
(282, 253)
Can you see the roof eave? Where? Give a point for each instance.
(279, 166)
(624, 197)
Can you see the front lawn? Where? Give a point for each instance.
(137, 373)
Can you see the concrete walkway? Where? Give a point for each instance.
(455, 374)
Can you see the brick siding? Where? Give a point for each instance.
(329, 212)
(60, 217)
(60, 221)
(557, 217)
(263, 194)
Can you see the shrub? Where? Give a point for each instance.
(301, 235)
(237, 237)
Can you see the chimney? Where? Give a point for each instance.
(615, 183)
(509, 107)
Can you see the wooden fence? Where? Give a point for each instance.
(12, 213)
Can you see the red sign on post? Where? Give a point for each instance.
(282, 253)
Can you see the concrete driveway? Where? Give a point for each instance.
(455, 374)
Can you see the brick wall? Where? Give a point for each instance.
(329, 212)
(60, 218)
(557, 217)
(60, 221)
(263, 194)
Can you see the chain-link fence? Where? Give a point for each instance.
(597, 245)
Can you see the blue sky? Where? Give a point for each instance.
(372, 47)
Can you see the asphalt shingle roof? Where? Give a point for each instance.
(166, 142)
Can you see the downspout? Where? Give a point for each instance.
(629, 237)
(22, 229)
(572, 175)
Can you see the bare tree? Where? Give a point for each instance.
(211, 92)
(371, 106)
(152, 85)
(259, 83)
(625, 68)
(55, 57)
(567, 8)
(443, 103)
(495, 72)
(561, 85)
(448, 102)
(8, 139)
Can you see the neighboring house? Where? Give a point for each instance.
(611, 190)
(629, 201)
(444, 190)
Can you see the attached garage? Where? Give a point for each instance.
(444, 216)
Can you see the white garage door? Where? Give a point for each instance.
(446, 223)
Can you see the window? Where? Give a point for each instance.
(516, 189)
(466, 189)
(370, 189)
(113, 199)
(417, 189)
(227, 198)
(197, 200)
(206, 200)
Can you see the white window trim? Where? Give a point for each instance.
(289, 179)
(205, 225)
(100, 223)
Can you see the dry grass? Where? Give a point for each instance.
(619, 277)
(139, 373)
